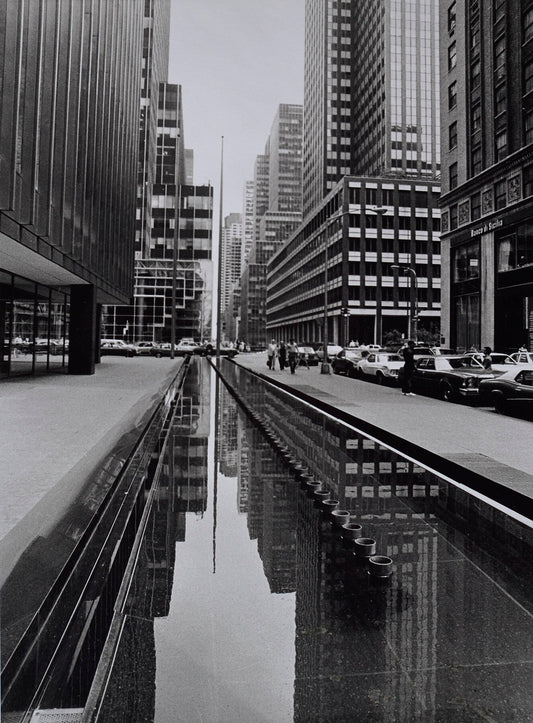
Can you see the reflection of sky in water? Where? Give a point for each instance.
(226, 650)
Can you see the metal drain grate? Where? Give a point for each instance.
(57, 715)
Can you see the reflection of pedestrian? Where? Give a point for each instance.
(272, 352)
(487, 359)
(282, 355)
(293, 355)
(408, 368)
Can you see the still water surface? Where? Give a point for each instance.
(246, 605)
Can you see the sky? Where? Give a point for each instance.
(236, 61)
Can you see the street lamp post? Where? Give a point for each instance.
(412, 309)
(325, 367)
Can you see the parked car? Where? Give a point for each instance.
(383, 367)
(144, 348)
(333, 350)
(449, 377)
(116, 347)
(500, 362)
(522, 357)
(420, 351)
(160, 350)
(346, 362)
(511, 391)
(307, 354)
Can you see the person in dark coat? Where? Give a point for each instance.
(282, 355)
(408, 368)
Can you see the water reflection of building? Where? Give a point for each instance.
(243, 461)
(228, 436)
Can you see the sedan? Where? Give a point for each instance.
(345, 362)
(523, 357)
(449, 377)
(333, 350)
(500, 362)
(510, 391)
(110, 347)
(307, 355)
(382, 367)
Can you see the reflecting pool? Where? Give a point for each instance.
(246, 604)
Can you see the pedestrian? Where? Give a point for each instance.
(292, 349)
(487, 359)
(272, 353)
(408, 369)
(282, 355)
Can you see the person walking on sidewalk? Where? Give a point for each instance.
(272, 353)
(282, 355)
(408, 368)
(292, 350)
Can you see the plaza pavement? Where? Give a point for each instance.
(57, 430)
(480, 448)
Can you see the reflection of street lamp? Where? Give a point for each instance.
(412, 309)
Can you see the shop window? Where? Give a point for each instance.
(516, 250)
(466, 262)
(467, 322)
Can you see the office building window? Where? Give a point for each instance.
(476, 117)
(501, 145)
(527, 25)
(452, 18)
(452, 95)
(475, 75)
(453, 175)
(528, 76)
(475, 206)
(452, 56)
(452, 135)
(453, 216)
(527, 180)
(476, 161)
(499, 10)
(528, 126)
(500, 99)
(500, 193)
(499, 59)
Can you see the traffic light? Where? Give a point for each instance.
(345, 311)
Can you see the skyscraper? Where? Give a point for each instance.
(231, 251)
(277, 212)
(487, 204)
(370, 170)
(70, 79)
(371, 104)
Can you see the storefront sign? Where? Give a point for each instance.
(489, 226)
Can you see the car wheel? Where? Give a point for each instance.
(158, 355)
(380, 378)
(447, 393)
(499, 403)
(352, 372)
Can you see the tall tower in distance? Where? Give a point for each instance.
(371, 92)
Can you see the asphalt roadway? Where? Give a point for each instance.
(475, 445)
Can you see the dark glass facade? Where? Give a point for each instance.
(70, 79)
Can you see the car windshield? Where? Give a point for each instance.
(388, 357)
(462, 362)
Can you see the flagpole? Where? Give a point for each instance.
(219, 275)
